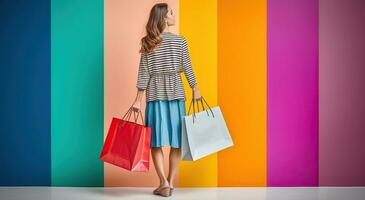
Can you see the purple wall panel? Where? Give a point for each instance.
(342, 93)
(292, 93)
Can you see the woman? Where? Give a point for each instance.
(163, 56)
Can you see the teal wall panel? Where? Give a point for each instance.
(77, 92)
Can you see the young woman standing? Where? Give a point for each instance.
(164, 55)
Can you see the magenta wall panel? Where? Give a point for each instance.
(342, 93)
(292, 124)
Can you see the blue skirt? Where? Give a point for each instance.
(164, 117)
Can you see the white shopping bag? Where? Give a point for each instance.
(204, 134)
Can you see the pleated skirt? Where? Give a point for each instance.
(164, 117)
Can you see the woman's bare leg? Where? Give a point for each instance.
(157, 157)
(174, 158)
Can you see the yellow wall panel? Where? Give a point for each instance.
(198, 23)
(242, 91)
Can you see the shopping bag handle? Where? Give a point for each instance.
(129, 113)
(202, 101)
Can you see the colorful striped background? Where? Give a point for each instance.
(287, 74)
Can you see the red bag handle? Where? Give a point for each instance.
(129, 113)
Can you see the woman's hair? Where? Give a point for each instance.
(155, 26)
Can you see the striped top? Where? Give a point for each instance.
(159, 71)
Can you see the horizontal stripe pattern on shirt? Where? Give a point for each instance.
(159, 71)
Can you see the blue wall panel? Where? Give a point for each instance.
(25, 93)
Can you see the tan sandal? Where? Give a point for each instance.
(164, 191)
(155, 191)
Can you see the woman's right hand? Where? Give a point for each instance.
(196, 94)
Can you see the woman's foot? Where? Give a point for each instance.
(156, 191)
(165, 191)
(170, 184)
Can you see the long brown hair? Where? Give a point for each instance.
(155, 25)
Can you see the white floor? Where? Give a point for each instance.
(226, 193)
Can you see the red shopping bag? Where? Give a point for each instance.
(127, 144)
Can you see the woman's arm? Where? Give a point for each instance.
(142, 82)
(196, 93)
(138, 100)
(143, 74)
(188, 70)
